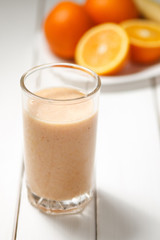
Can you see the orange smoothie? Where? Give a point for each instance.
(59, 144)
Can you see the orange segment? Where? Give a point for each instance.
(103, 48)
(144, 39)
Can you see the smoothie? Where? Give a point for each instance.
(59, 144)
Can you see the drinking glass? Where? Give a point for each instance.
(60, 108)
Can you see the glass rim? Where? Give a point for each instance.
(66, 65)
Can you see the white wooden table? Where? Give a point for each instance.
(127, 201)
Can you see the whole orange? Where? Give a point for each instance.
(102, 11)
(64, 26)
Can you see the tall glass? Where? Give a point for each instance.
(60, 105)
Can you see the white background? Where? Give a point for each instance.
(127, 204)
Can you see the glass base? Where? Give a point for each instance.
(53, 207)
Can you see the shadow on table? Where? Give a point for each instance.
(117, 220)
(75, 226)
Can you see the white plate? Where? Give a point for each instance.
(131, 73)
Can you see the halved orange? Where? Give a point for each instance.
(104, 48)
(144, 40)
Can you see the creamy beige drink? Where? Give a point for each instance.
(59, 145)
(60, 104)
